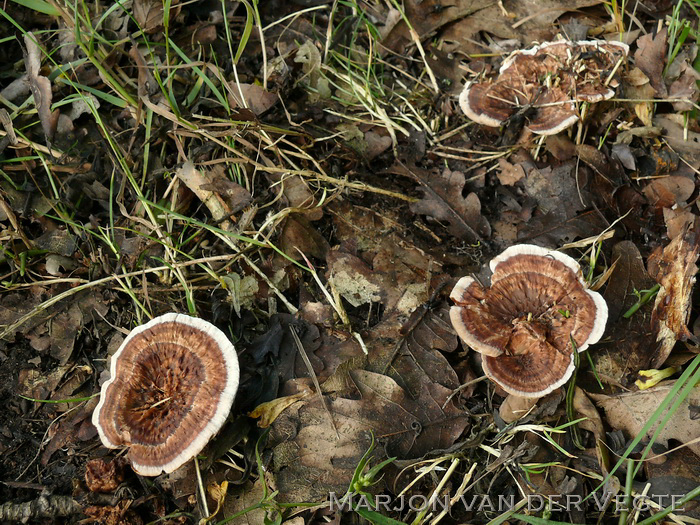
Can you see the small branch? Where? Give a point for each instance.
(41, 508)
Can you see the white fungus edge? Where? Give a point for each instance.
(533, 50)
(458, 323)
(473, 115)
(533, 249)
(541, 393)
(225, 401)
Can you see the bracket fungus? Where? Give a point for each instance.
(524, 323)
(171, 387)
(545, 82)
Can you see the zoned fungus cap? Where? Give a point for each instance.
(551, 78)
(171, 387)
(524, 322)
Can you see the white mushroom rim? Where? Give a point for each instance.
(487, 120)
(526, 356)
(217, 419)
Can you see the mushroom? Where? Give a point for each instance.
(171, 387)
(547, 81)
(524, 322)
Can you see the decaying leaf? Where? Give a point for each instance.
(121, 513)
(631, 411)
(299, 237)
(251, 96)
(674, 269)
(221, 196)
(510, 173)
(585, 408)
(650, 57)
(149, 14)
(463, 20)
(515, 407)
(443, 201)
(268, 412)
(309, 449)
(104, 476)
(676, 133)
(638, 87)
(40, 86)
(353, 279)
(666, 192)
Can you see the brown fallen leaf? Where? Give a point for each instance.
(307, 447)
(251, 96)
(221, 196)
(515, 407)
(40, 86)
(685, 87)
(684, 141)
(631, 411)
(149, 14)
(650, 57)
(425, 20)
(677, 220)
(667, 192)
(299, 236)
(442, 200)
(585, 408)
(104, 476)
(120, 514)
(419, 356)
(509, 173)
(525, 20)
(68, 430)
(674, 269)
(551, 186)
(675, 473)
(638, 87)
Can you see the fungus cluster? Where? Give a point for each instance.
(523, 324)
(547, 81)
(172, 383)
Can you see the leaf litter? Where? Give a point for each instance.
(278, 167)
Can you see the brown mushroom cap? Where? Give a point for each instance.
(524, 322)
(550, 77)
(172, 383)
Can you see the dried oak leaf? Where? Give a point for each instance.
(221, 196)
(676, 473)
(631, 411)
(310, 458)
(470, 18)
(443, 200)
(674, 269)
(650, 57)
(417, 358)
(377, 261)
(425, 20)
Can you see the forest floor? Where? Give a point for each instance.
(301, 174)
